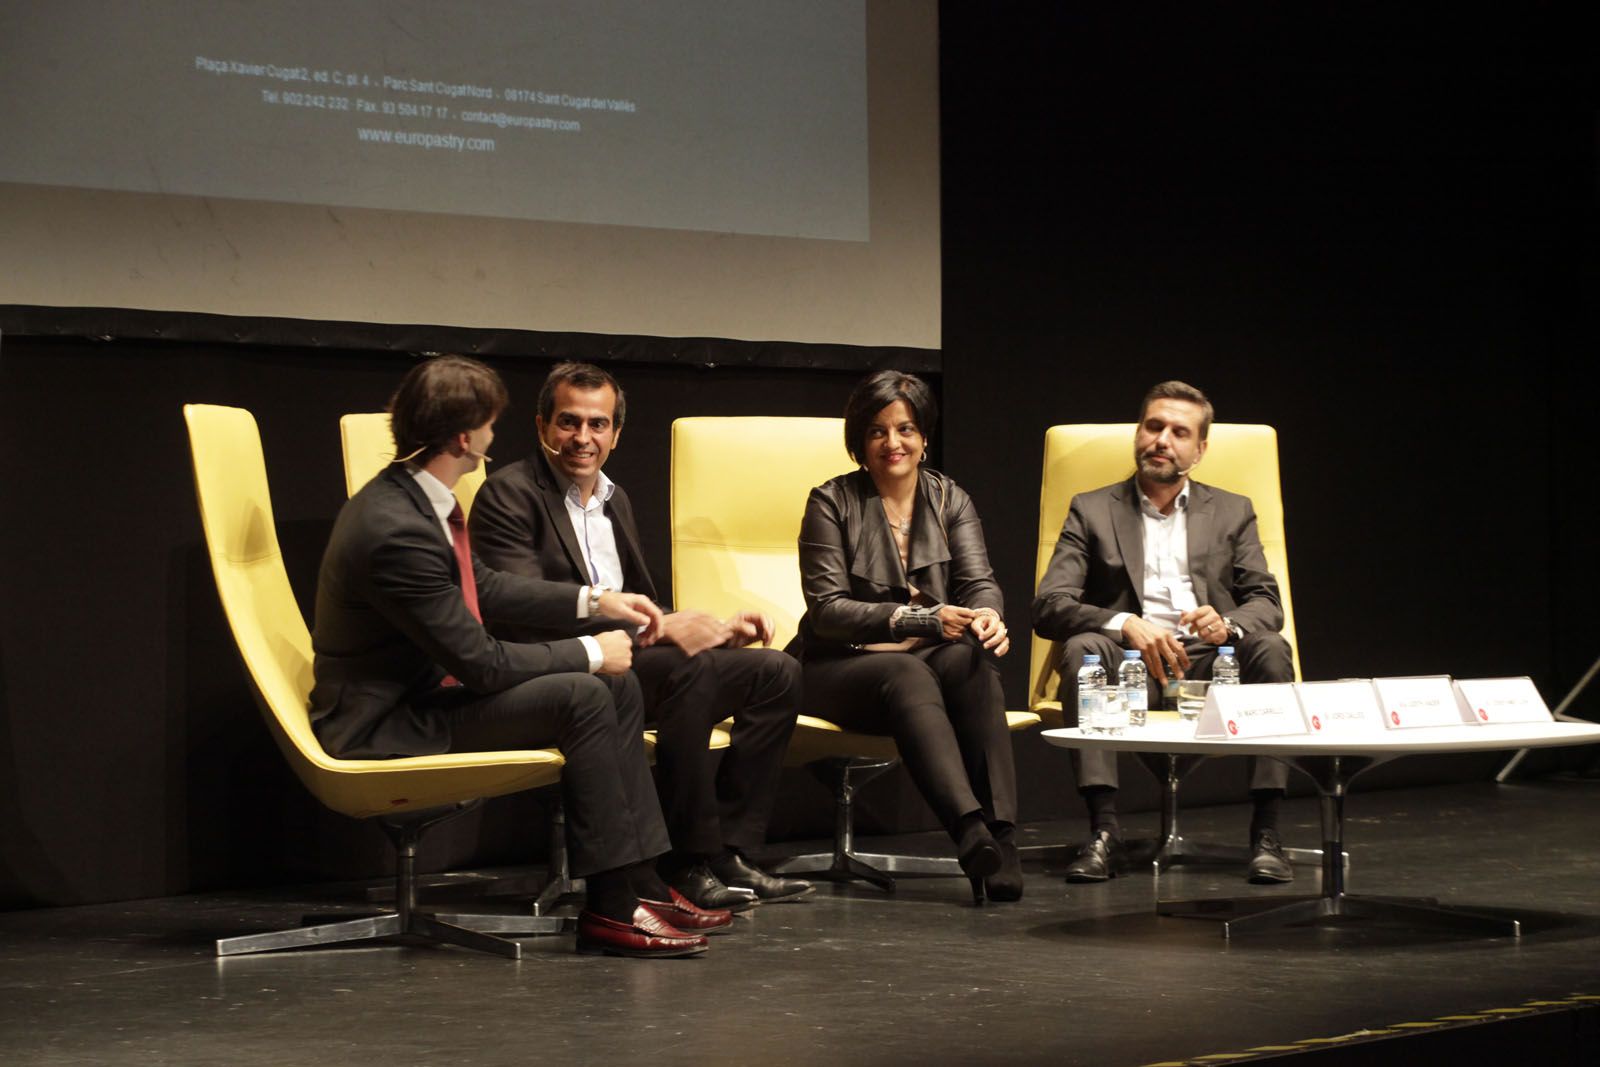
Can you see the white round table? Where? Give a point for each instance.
(1332, 763)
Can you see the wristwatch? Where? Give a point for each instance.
(1235, 631)
(595, 593)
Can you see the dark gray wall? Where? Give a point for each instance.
(1374, 231)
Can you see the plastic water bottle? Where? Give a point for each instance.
(1091, 695)
(1226, 670)
(1133, 680)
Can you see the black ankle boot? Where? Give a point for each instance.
(1005, 883)
(977, 852)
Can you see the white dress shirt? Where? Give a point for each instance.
(597, 537)
(1168, 589)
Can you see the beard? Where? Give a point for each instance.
(1159, 473)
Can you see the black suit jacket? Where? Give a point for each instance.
(850, 569)
(520, 524)
(391, 621)
(1097, 569)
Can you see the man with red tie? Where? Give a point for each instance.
(404, 666)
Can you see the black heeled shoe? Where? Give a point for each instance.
(1006, 883)
(979, 857)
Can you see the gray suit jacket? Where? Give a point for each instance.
(1097, 569)
(391, 622)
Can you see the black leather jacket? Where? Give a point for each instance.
(850, 569)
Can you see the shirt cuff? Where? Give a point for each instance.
(1114, 626)
(592, 647)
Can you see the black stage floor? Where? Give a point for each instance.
(1071, 975)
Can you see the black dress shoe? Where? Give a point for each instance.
(704, 889)
(647, 937)
(1101, 857)
(740, 874)
(1268, 864)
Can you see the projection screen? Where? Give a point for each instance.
(760, 170)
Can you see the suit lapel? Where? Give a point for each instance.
(1129, 528)
(1201, 523)
(633, 568)
(554, 502)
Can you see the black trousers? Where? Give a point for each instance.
(597, 721)
(1262, 656)
(945, 709)
(709, 807)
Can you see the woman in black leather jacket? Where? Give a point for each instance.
(904, 622)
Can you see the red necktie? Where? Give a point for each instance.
(469, 580)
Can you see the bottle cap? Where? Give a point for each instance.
(1130, 653)
(1225, 650)
(1090, 658)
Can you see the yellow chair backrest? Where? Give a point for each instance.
(735, 539)
(369, 448)
(1241, 458)
(236, 514)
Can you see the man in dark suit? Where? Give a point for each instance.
(555, 515)
(404, 666)
(1174, 569)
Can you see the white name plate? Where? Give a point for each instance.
(1340, 709)
(1268, 710)
(1409, 702)
(1500, 700)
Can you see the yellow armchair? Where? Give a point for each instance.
(1241, 458)
(406, 796)
(735, 545)
(369, 448)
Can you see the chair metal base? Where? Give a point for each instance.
(844, 775)
(463, 930)
(547, 890)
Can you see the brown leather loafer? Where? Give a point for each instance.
(683, 913)
(648, 937)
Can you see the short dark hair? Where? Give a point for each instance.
(583, 376)
(1176, 390)
(439, 398)
(877, 391)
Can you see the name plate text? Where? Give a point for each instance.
(1411, 702)
(1500, 700)
(1269, 710)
